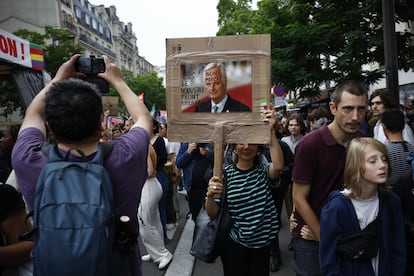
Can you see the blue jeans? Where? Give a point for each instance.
(306, 257)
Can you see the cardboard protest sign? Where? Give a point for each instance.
(192, 75)
(111, 103)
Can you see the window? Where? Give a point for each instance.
(87, 19)
(100, 28)
(94, 24)
(78, 12)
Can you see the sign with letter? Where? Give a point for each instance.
(20, 51)
(193, 81)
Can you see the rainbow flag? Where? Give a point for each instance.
(36, 55)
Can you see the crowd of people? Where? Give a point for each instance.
(341, 170)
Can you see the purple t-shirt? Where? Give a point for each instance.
(126, 166)
(319, 162)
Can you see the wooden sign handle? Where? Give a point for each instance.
(219, 151)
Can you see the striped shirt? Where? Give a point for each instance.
(251, 205)
(399, 152)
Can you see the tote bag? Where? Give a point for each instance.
(211, 234)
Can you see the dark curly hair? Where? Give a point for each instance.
(387, 98)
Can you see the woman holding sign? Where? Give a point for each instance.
(249, 198)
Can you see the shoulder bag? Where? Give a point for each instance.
(364, 244)
(211, 234)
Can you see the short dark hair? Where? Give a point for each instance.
(73, 110)
(393, 119)
(351, 86)
(386, 97)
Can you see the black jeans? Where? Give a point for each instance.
(196, 197)
(243, 261)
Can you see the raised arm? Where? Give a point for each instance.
(137, 109)
(35, 113)
(276, 153)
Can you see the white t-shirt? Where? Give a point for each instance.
(366, 211)
(379, 134)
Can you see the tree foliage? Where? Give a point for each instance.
(151, 85)
(314, 42)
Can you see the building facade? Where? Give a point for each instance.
(96, 28)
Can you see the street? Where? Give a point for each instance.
(183, 264)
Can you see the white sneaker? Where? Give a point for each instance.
(165, 261)
(146, 258)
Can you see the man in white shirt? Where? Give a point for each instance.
(380, 101)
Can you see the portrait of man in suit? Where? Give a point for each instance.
(215, 85)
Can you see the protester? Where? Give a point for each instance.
(150, 227)
(171, 169)
(14, 254)
(393, 122)
(380, 101)
(215, 80)
(279, 194)
(116, 131)
(127, 125)
(162, 156)
(250, 204)
(404, 188)
(352, 209)
(318, 117)
(318, 170)
(296, 128)
(72, 109)
(196, 161)
(7, 142)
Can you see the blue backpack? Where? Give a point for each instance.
(73, 217)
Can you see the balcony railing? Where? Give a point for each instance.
(96, 45)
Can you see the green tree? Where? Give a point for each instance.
(59, 46)
(318, 41)
(62, 48)
(151, 85)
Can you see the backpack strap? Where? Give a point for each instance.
(55, 155)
